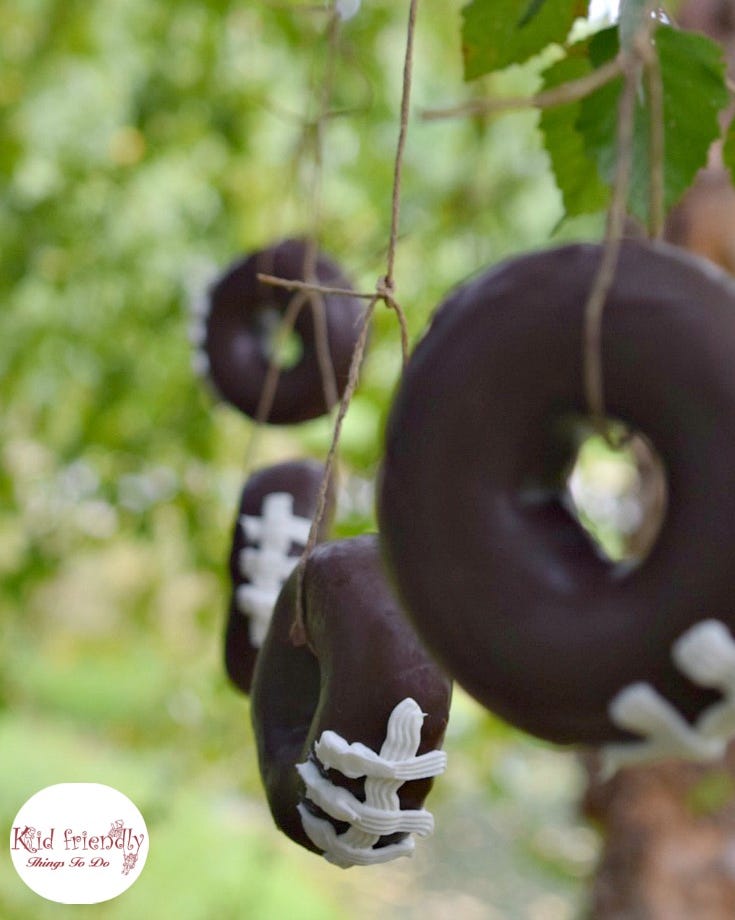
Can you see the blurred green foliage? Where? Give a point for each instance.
(141, 144)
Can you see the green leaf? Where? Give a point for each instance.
(533, 7)
(575, 170)
(694, 92)
(597, 117)
(498, 33)
(581, 137)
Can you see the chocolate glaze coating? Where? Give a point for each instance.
(236, 333)
(302, 479)
(502, 583)
(361, 659)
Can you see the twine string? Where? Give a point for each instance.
(385, 292)
(654, 84)
(311, 255)
(634, 60)
(307, 293)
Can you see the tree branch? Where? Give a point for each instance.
(572, 91)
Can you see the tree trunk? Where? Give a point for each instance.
(669, 842)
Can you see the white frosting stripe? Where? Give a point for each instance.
(357, 759)
(380, 814)
(338, 851)
(257, 605)
(267, 568)
(342, 805)
(706, 655)
(268, 564)
(277, 526)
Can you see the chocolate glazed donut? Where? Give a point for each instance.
(242, 313)
(272, 527)
(348, 725)
(499, 579)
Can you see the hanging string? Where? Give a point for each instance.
(308, 294)
(595, 305)
(634, 59)
(631, 63)
(566, 93)
(316, 299)
(654, 84)
(386, 286)
(384, 291)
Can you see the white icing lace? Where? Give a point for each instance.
(268, 564)
(706, 655)
(384, 773)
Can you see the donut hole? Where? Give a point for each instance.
(616, 490)
(285, 347)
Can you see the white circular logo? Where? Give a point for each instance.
(79, 843)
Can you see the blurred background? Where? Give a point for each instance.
(143, 146)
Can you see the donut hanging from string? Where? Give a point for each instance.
(240, 320)
(499, 578)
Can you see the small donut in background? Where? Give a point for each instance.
(348, 726)
(274, 517)
(240, 317)
(499, 579)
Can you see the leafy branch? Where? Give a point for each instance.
(572, 91)
(681, 89)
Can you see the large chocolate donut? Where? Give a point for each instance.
(239, 317)
(361, 698)
(499, 579)
(271, 529)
